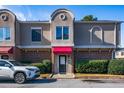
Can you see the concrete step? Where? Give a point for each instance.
(63, 76)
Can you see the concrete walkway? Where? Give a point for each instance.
(63, 76)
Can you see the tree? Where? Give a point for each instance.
(89, 18)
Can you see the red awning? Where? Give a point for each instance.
(6, 49)
(62, 50)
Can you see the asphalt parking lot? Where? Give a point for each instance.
(64, 83)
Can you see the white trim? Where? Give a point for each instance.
(32, 46)
(41, 34)
(91, 33)
(43, 22)
(115, 28)
(36, 27)
(90, 36)
(62, 44)
(119, 35)
(98, 21)
(83, 46)
(62, 33)
(95, 46)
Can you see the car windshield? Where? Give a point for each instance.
(16, 63)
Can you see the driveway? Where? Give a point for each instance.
(65, 83)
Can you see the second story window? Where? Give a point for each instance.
(65, 33)
(62, 32)
(58, 32)
(36, 34)
(4, 34)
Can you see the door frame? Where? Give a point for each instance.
(65, 63)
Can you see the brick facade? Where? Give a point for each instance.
(91, 54)
(35, 56)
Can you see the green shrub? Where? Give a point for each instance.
(26, 62)
(45, 66)
(92, 66)
(116, 66)
(48, 65)
(40, 66)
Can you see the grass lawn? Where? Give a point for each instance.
(98, 76)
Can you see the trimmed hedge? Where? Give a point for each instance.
(48, 64)
(40, 66)
(116, 66)
(45, 66)
(92, 66)
(26, 62)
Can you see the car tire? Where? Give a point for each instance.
(20, 78)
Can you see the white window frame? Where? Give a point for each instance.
(4, 34)
(62, 33)
(91, 33)
(38, 29)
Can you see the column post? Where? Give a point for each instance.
(52, 55)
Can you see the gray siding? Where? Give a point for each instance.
(17, 33)
(25, 34)
(81, 34)
(84, 34)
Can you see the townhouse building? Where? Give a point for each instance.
(62, 39)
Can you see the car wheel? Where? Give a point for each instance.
(20, 78)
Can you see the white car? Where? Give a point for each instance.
(12, 70)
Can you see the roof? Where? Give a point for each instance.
(6, 10)
(34, 21)
(62, 9)
(99, 21)
(119, 49)
(76, 21)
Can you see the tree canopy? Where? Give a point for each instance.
(89, 18)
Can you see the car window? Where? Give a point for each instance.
(2, 63)
(15, 63)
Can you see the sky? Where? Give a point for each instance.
(43, 12)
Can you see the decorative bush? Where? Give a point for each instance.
(92, 66)
(45, 66)
(48, 64)
(116, 66)
(40, 66)
(26, 62)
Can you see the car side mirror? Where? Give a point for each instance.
(8, 65)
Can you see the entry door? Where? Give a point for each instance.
(62, 63)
